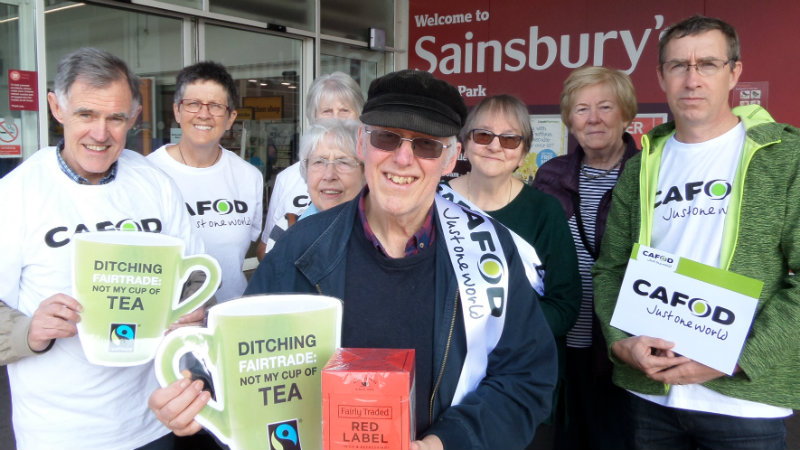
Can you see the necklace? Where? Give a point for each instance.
(602, 174)
(469, 190)
(219, 154)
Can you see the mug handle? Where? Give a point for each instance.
(167, 367)
(211, 268)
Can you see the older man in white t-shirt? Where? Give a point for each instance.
(87, 183)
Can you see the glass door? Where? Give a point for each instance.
(18, 77)
(361, 64)
(267, 69)
(152, 46)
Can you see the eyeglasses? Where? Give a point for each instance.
(341, 165)
(485, 137)
(390, 141)
(704, 67)
(194, 106)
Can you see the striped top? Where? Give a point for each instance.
(591, 191)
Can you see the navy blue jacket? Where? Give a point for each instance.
(514, 397)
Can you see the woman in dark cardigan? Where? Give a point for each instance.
(597, 104)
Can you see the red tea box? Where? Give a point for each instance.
(368, 399)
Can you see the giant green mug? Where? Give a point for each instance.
(129, 284)
(265, 354)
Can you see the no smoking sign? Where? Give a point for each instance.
(10, 140)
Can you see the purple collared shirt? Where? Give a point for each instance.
(422, 239)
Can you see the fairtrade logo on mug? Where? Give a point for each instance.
(121, 338)
(284, 435)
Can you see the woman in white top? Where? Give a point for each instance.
(331, 96)
(223, 193)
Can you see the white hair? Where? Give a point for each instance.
(342, 134)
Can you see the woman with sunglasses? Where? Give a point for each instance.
(496, 138)
(329, 166)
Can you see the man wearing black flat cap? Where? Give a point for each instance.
(416, 271)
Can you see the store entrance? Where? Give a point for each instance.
(18, 78)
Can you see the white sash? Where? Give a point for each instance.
(482, 272)
(533, 265)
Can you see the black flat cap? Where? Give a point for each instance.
(414, 100)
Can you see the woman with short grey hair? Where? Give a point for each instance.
(330, 166)
(337, 133)
(331, 96)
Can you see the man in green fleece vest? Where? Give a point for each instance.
(748, 225)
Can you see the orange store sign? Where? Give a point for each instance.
(265, 108)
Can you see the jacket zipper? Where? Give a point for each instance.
(444, 360)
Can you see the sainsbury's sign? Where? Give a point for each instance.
(527, 49)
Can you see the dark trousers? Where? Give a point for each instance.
(202, 440)
(659, 427)
(594, 406)
(166, 442)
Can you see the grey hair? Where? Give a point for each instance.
(336, 84)
(206, 71)
(452, 141)
(502, 105)
(97, 68)
(342, 134)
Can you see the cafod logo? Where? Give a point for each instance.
(715, 190)
(121, 337)
(657, 257)
(661, 260)
(697, 306)
(61, 235)
(221, 206)
(284, 435)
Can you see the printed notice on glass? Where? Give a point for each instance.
(707, 312)
(22, 90)
(549, 141)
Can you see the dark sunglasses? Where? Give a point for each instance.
(485, 137)
(390, 141)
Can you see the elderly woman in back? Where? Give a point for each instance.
(597, 104)
(330, 167)
(331, 96)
